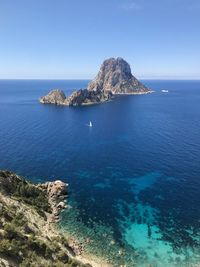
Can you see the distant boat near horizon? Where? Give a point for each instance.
(165, 91)
(90, 124)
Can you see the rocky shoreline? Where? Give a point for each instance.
(113, 79)
(135, 93)
(30, 213)
(28, 232)
(57, 192)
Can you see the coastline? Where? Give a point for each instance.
(115, 95)
(99, 102)
(135, 93)
(57, 191)
(94, 261)
(82, 256)
(79, 251)
(41, 214)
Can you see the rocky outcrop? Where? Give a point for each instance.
(57, 195)
(55, 96)
(86, 97)
(115, 76)
(53, 193)
(27, 238)
(77, 98)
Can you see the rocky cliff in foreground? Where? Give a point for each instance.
(28, 238)
(114, 78)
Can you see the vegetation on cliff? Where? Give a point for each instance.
(27, 238)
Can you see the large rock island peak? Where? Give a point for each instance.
(113, 78)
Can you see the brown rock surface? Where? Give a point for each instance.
(55, 96)
(115, 76)
(56, 192)
(86, 97)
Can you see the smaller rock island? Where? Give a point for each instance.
(55, 96)
(113, 78)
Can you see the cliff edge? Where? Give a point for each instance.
(28, 236)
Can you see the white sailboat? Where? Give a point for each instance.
(90, 124)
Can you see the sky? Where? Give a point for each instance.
(69, 39)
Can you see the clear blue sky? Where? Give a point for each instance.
(70, 38)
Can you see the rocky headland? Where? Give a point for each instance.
(113, 78)
(56, 192)
(28, 233)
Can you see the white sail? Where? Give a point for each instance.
(90, 124)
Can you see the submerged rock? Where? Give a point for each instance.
(115, 76)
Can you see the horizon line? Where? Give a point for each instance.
(89, 79)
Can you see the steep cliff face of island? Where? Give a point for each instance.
(28, 238)
(114, 78)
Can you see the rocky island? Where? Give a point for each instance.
(113, 78)
(28, 236)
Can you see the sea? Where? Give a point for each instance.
(134, 177)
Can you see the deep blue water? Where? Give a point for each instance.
(134, 177)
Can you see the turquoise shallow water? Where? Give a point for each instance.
(134, 177)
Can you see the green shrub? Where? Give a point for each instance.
(63, 257)
(19, 219)
(11, 232)
(32, 195)
(10, 249)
